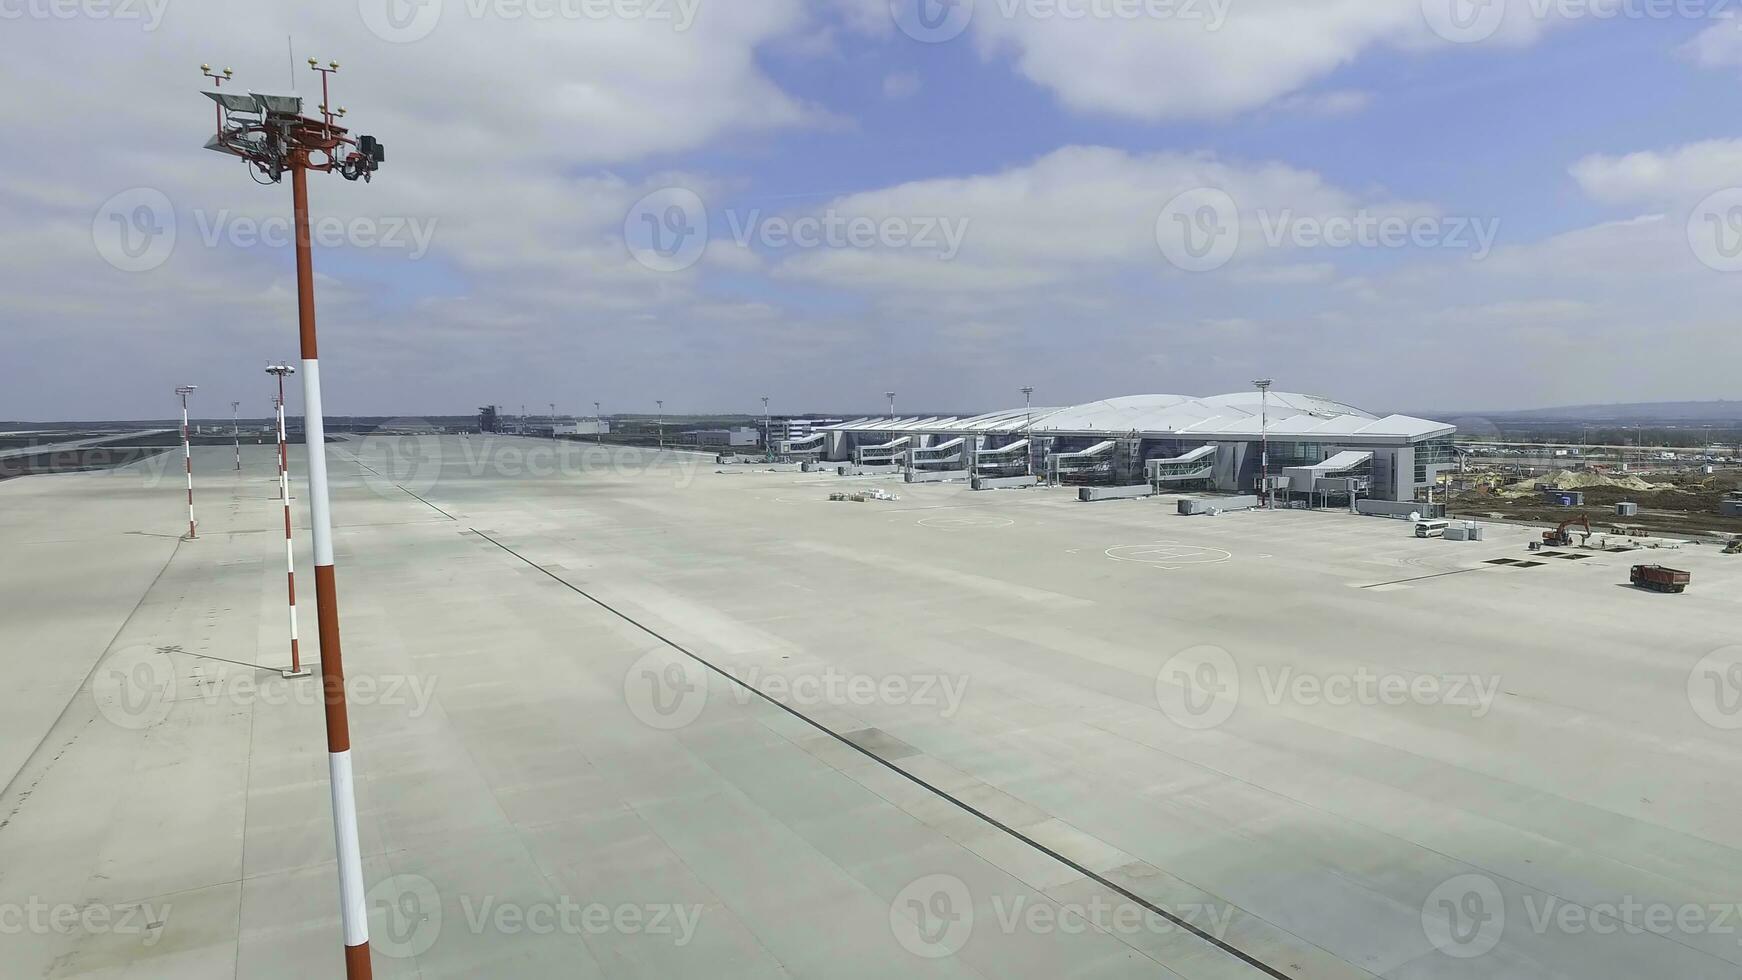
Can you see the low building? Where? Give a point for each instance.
(741, 437)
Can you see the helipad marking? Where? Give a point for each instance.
(965, 521)
(1168, 554)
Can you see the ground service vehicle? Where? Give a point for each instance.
(1660, 579)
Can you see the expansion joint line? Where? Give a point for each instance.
(987, 818)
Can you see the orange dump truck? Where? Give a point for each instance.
(1660, 579)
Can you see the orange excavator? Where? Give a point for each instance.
(1562, 536)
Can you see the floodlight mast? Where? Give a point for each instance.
(187, 455)
(236, 433)
(296, 667)
(273, 136)
(1263, 387)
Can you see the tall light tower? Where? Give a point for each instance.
(271, 134)
(659, 423)
(598, 424)
(279, 371)
(1263, 387)
(553, 435)
(767, 431)
(891, 396)
(1028, 429)
(187, 454)
(236, 433)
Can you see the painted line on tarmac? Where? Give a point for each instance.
(1221, 944)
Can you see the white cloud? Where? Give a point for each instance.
(1658, 177)
(1080, 212)
(1718, 46)
(1206, 59)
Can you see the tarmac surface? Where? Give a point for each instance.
(621, 714)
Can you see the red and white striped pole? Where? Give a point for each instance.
(353, 913)
(187, 454)
(236, 433)
(296, 668)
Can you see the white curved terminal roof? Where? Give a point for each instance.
(1233, 417)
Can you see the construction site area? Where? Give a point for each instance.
(618, 712)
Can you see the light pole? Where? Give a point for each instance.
(1263, 387)
(767, 431)
(659, 423)
(553, 437)
(891, 396)
(187, 454)
(598, 424)
(272, 135)
(1028, 427)
(279, 371)
(236, 434)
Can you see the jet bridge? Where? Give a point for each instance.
(891, 453)
(1199, 464)
(1093, 460)
(810, 447)
(946, 460)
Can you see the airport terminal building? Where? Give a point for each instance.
(1317, 446)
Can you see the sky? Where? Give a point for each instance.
(1405, 205)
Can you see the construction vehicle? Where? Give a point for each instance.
(1734, 547)
(1660, 579)
(1562, 536)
